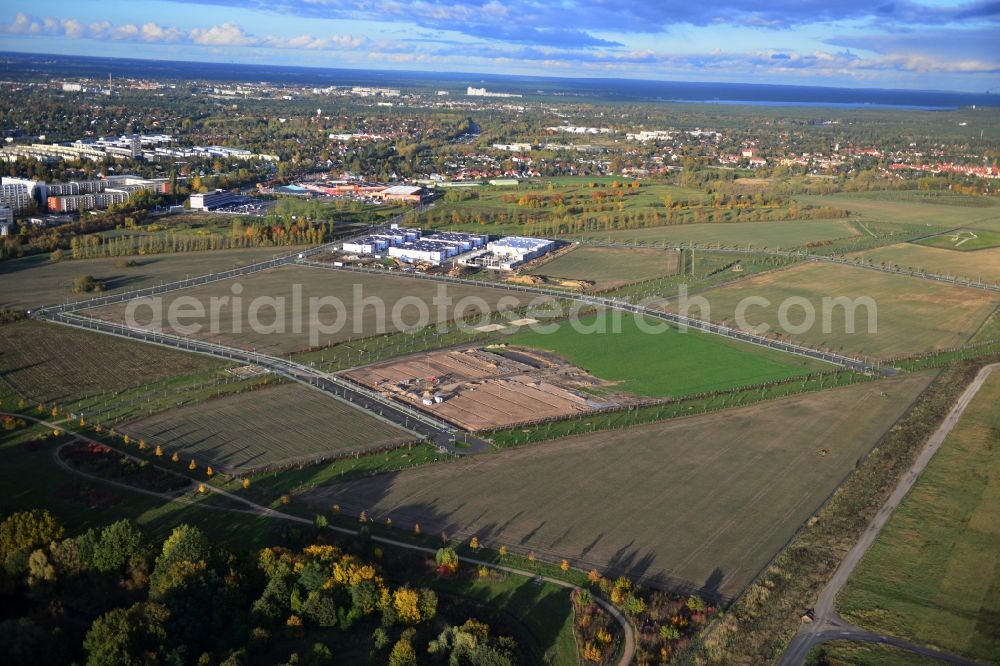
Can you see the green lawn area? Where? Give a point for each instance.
(933, 574)
(669, 363)
(963, 240)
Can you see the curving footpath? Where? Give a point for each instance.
(828, 625)
(628, 633)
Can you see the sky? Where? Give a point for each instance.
(913, 44)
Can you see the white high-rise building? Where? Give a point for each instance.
(20, 194)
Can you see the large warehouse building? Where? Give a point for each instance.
(411, 246)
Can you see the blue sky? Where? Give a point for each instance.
(925, 44)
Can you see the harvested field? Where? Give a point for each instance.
(50, 363)
(266, 427)
(981, 265)
(701, 502)
(373, 304)
(758, 234)
(35, 281)
(482, 390)
(913, 315)
(609, 268)
(933, 574)
(910, 208)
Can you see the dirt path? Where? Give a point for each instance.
(628, 634)
(828, 625)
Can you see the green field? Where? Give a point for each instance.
(703, 501)
(277, 424)
(982, 265)
(758, 234)
(361, 317)
(610, 267)
(35, 281)
(913, 315)
(963, 240)
(933, 574)
(50, 363)
(668, 363)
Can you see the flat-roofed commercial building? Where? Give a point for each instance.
(213, 200)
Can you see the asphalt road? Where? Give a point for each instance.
(827, 625)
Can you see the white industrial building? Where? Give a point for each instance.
(521, 248)
(410, 246)
(423, 251)
(508, 253)
(213, 200)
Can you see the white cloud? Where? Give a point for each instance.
(227, 34)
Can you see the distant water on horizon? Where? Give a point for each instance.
(830, 105)
(23, 65)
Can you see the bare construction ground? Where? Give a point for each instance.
(703, 502)
(481, 389)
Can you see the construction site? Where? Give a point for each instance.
(499, 386)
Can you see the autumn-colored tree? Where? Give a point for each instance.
(142, 445)
(502, 551)
(175, 457)
(193, 465)
(564, 565)
(416, 529)
(593, 576)
(246, 483)
(403, 654)
(388, 522)
(127, 439)
(531, 556)
(405, 601)
(474, 543)
(336, 509)
(591, 652)
(159, 451)
(201, 487)
(286, 499)
(362, 517)
(209, 471)
(447, 560)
